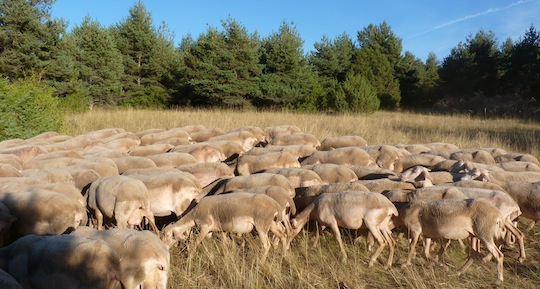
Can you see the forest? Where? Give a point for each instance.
(136, 63)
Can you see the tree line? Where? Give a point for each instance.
(136, 63)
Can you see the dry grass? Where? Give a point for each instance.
(218, 265)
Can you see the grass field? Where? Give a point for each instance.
(218, 265)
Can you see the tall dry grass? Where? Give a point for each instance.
(233, 265)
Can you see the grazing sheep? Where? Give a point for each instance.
(170, 192)
(203, 152)
(65, 261)
(24, 152)
(13, 160)
(238, 213)
(280, 130)
(244, 182)
(352, 210)
(49, 175)
(231, 149)
(171, 160)
(206, 173)
(519, 166)
(254, 130)
(244, 138)
(144, 259)
(373, 173)
(120, 198)
(52, 163)
(298, 177)
(306, 195)
(335, 142)
(456, 220)
(383, 185)
(527, 196)
(295, 139)
(249, 164)
(426, 160)
(517, 157)
(153, 149)
(82, 177)
(300, 151)
(133, 162)
(7, 170)
(385, 156)
(43, 212)
(332, 173)
(204, 135)
(347, 156)
(477, 156)
(152, 138)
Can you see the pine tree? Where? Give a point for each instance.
(332, 59)
(28, 38)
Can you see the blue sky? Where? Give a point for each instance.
(424, 25)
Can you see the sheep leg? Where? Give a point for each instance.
(99, 219)
(413, 240)
(519, 236)
(278, 231)
(387, 234)
(316, 238)
(263, 236)
(337, 234)
(492, 248)
(203, 233)
(377, 234)
(472, 249)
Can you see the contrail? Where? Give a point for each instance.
(490, 10)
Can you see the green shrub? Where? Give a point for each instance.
(27, 109)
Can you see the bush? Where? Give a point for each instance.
(27, 109)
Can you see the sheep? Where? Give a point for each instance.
(382, 185)
(280, 130)
(119, 198)
(426, 160)
(53, 163)
(238, 213)
(69, 190)
(230, 149)
(65, 261)
(144, 259)
(347, 156)
(455, 219)
(49, 175)
(133, 162)
(24, 152)
(504, 176)
(122, 144)
(306, 195)
(203, 152)
(259, 134)
(207, 173)
(300, 151)
(172, 160)
(477, 156)
(372, 172)
(414, 148)
(249, 164)
(204, 135)
(352, 210)
(105, 167)
(522, 157)
(331, 143)
(153, 149)
(43, 212)
(527, 196)
(295, 139)
(519, 166)
(333, 173)
(139, 134)
(298, 177)
(12, 160)
(152, 138)
(7, 170)
(385, 155)
(244, 182)
(244, 138)
(170, 192)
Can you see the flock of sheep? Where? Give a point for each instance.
(88, 211)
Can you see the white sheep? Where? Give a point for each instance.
(352, 210)
(238, 213)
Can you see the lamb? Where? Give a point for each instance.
(248, 164)
(332, 173)
(331, 143)
(119, 198)
(238, 213)
(352, 210)
(144, 259)
(455, 219)
(65, 261)
(298, 177)
(347, 156)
